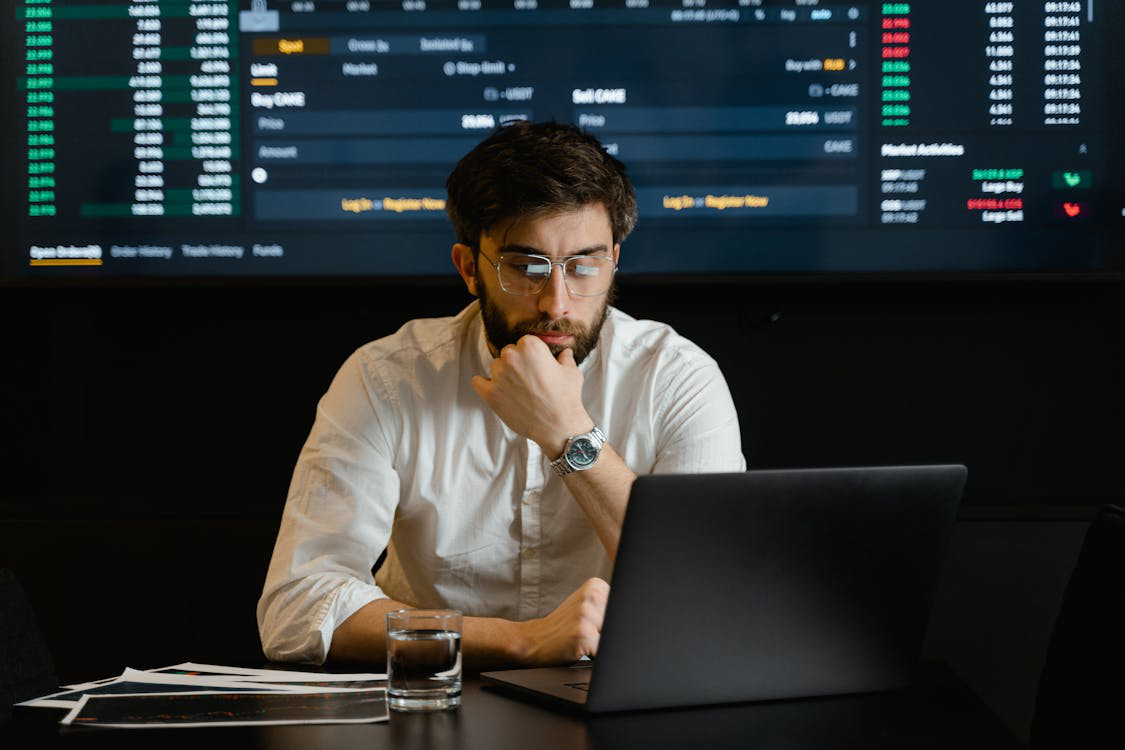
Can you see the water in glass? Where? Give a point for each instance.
(423, 669)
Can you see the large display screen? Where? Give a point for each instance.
(163, 138)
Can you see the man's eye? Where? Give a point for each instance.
(535, 269)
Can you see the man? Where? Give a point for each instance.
(491, 454)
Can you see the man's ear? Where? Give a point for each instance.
(466, 266)
(616, 253)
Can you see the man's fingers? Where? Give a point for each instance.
(588, 646)
(595, 598)
(566, 357)
(530, 341)
(594, 615)
(482, 386)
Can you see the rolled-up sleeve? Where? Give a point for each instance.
(696, 422)
(337, 519)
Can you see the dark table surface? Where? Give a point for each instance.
(937, 712)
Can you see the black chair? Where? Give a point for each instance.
(1081, 699)
(26, 669)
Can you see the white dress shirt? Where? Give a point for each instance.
(405, 456)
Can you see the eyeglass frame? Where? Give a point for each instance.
(561, 263)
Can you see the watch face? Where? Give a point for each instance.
(582, 452)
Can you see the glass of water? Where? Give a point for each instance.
(423, 659)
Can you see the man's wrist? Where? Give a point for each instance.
(496, 643)
(521, 641)
(554, 445)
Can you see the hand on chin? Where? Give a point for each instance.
(539, 396)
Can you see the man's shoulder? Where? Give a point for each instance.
(423, 340)
(639, 341)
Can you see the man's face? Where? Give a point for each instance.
(562, 320)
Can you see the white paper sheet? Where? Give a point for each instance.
(218, 677)
(203, 683)
(92, 683)
(277, 675)
(243, 682)
(48, 703)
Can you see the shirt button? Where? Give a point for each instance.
(529, 553)
(530, 498)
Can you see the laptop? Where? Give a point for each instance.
(763, 585)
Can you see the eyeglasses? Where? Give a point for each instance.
(584, 275)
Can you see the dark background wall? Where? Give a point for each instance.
(150, 432)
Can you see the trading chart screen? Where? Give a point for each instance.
(160, 138)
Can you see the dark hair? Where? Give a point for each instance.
(534, 169)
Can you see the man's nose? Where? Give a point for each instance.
(554, 299)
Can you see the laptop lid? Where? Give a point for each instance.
(772, 584)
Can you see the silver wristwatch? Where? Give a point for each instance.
(581, 452)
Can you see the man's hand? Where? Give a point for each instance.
(540, 397)
(536, 395)
(572, 630)
(562, 637)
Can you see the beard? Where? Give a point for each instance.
(500, 334)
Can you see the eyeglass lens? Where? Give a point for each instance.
(586, 275)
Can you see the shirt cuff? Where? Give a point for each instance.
(348, 599)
